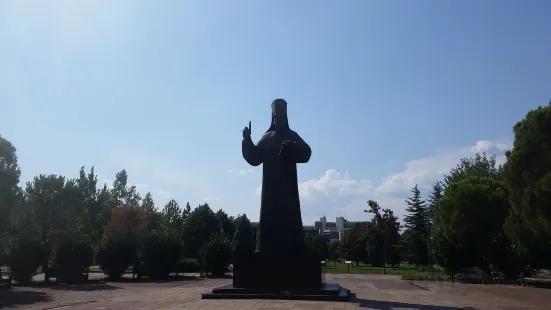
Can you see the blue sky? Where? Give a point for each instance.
(387, 93)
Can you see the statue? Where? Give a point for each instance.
(280, 150)
(281, 265)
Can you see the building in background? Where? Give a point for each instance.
(334, 230)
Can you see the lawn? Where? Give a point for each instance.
(407, 272)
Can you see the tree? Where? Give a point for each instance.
(243, 242)
(242, 246)
(434, 198)
(93, 209)
(416, 223)
(353, 245)
(216, 254)
(200, 225)
(52, 201)
(10, 193)
(172, 221)
(382, 234)
(470, 221)
(131, 221)
(479, 165)
(148, 204)
(226, 223)
(122, 193)
(161, 253)
(334, 250)
(527, 174)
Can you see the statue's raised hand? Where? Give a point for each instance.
(247, 132)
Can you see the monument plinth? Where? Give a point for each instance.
(281, 267)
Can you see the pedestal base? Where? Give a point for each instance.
(267, 277)
(327, 292)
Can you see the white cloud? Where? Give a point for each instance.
(337, 194)
(425, 171)
(240, 172)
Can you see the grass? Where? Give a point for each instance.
(407, 272)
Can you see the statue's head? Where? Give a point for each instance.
(279, 115)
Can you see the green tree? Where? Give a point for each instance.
(10, 193)
(434, 198)
(122, 193)
(148, 204)
(334, 250)
(91, 208)
(416, 223)
(479, 165)
(382, 234)
(216, 255)
(470, 221)
(53, 211)
(527, 174)
(172, 221)
(353, 245)
(243, 240)
(226, 223)
(199, 226)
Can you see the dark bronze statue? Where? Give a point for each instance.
(279, 149)
(281, 266)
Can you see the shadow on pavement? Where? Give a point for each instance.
(147, 280)
(17, 298)
(390, 305)
(90, 287)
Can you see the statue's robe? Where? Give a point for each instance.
(280, 227)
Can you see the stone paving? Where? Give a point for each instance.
(371, 292)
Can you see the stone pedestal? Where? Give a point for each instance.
(272, 277)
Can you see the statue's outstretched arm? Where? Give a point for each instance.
(303, 152)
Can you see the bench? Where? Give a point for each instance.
(5, 283)
(57, 273)
(469, 274)
(542, 276)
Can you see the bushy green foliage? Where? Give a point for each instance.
(201, 224)
(243, 243)
(216, 255)
(161, 253)
(115, 254)
(23, 258)
(187, 264)
(475, 233)
(73, 257)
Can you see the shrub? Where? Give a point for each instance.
(73, 257)
(131, 220)
(216, 255)
(243, 243)
(160, 255)
(115, 253)
(187, 264)
(24, 257)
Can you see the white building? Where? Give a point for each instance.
(334, 230)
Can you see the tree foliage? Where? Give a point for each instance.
(199, 227)
(10, 193)
(471, 217)
(527, 174)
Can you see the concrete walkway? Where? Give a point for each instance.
(371, 292)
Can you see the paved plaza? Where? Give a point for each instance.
(370, 292)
